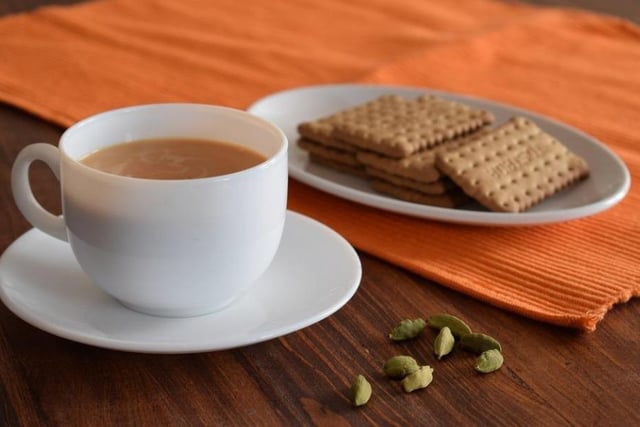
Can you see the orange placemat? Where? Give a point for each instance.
(66, 63)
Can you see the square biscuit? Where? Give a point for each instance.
(403, 128)
(321, 130)
(512, 168)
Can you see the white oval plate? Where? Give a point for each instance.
(607, 184)
(42, 283)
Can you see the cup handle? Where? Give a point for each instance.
(26, 202)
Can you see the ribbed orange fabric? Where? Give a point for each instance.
(66, 63)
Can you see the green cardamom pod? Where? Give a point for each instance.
(444, 342)
(479, 343)
(407, 329)
(489, 361)
(457, 326)
(360, 391)
(399, 367)
(419, 379)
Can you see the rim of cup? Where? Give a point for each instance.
(88, 121)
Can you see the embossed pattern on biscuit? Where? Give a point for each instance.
(401, 129)
(512, 168)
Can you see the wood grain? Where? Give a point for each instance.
(551, 376)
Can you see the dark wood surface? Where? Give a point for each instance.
(552, 376)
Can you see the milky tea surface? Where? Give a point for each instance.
(173, 158)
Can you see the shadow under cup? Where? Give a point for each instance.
(174, 247)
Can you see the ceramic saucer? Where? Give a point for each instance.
(314, 273)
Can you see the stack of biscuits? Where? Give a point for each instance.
(438, 152)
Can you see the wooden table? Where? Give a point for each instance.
(552, 376)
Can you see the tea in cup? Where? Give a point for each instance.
(172, 209)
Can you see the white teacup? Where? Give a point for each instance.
(165, 247)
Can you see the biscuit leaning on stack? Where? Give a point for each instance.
(437, 152)
(513, 167)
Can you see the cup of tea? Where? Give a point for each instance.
(172, 209)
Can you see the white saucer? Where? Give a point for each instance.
(607, 184)
(315, 272)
